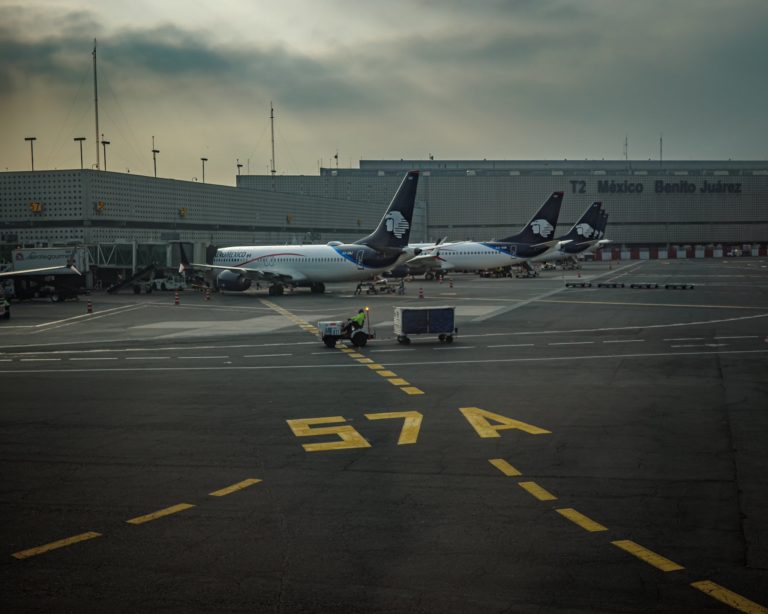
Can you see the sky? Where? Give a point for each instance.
(495, 79)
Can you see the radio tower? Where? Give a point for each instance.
(272, 125)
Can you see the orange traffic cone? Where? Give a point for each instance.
(89, 307)
(176, 298)
(421, 292)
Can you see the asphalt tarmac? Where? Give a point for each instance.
(595, 449)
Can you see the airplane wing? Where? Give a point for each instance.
(71, 267)
(552, 243)
(255, 274)
(429, 260)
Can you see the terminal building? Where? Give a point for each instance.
(128, 220)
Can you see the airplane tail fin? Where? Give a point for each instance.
(587, 228)
(394, 229)
(184, 265)
(71, 262)
(601, 225)
(542, 225)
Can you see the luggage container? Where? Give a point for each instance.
(425, 321)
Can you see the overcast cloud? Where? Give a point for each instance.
(514, 79)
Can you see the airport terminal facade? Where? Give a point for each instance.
(126, 219)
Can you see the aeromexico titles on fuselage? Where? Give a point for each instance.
(314, 265)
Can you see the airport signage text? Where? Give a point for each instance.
(659, 187)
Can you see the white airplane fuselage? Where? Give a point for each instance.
(310, 263)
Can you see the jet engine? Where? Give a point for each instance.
(232, 282)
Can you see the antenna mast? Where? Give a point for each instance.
(96, 104)
(661, 149)
(272, 125)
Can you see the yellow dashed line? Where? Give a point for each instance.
(537, 491)
(68, 541)
(580, 519)
(504, 467)
(364, 361)
(386, 373)
(160, 513)
(398, 381)
(234, 488)
(356, 355)
(375, 366)
(736, 601)
(412, 390)
(650, 557)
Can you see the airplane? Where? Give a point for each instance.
(601, 241)
(582, 235)
(533, 240)
(29, 283)
(314, 265)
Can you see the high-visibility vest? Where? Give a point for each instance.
(359, 319)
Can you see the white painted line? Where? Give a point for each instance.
(397, 350)
(147, 357)
(512, 345)
(355, 365)
(461, 347)
(686, 339)
(626, 341)
(201, 357)
(39, 359)
(99, 358)
(264, 355)
(571, 343)
(739, 337)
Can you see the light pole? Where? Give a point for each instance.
(80, 139)
(154, 155)
(239, 166)
(204, 160)
(104, 144)
(31, 140)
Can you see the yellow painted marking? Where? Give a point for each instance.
(706, 306)
(375, 366)
(537, 491)
(411, 390)
(349, 437)
(234, 488)
(411, 424)
(398, 381)
(67, 541)
(365, 361)
(356, 355)
(504, 467)
(479, 419)
(580, 519)
(736, 601)
(650, 557)
(346, 350)
(160, 513)
(387, 373)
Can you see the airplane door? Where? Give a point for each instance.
(360, 255)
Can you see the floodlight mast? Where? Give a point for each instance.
(96, 104)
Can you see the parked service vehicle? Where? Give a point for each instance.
(168, 283)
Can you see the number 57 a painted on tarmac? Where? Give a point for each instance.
(485, 423)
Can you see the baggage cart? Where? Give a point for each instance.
(425, 321)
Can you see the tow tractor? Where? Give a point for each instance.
(331, 332)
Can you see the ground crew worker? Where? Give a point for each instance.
(356, 321)
(5, 308)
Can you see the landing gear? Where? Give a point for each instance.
(317, 287)
(276, 290)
